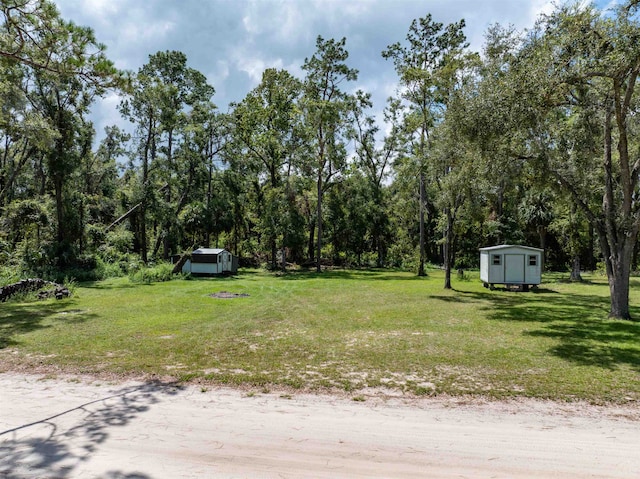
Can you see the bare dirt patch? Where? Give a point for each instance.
(228, 295)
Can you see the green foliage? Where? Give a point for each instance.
(117, 244)
(152, 274)
(507, 149)
(170, 104)
(27, 219)
(570, 104)
(5, 251)
(8, 275)
(327, 109)
(429, 65)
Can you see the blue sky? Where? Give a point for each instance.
(233, 41)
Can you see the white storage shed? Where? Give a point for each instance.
(210, 261)
(511, 265)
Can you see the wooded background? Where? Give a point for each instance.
(531, 141)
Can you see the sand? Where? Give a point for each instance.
(69, 427)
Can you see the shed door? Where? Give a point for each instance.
(514, 268)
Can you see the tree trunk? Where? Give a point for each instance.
(319, 223)
(591, 246)
(166, 240)
(207, 237)
(123, 217)
(41, 176)
(500, 239)
(82, 226)
(616, 240)
(274, 254)
(542, 233)
(7, 184)
(618, 274)
(448, 250)
(421, 271)
(149, 150)
(284, 258)
(58, 176)
(575, 269)
(61, 231)
(311, 243)
(177, 268)
(158, 243)
(381, 255)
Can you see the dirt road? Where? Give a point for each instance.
(69, 428)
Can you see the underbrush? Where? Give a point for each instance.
(152, 274)
(8, 275)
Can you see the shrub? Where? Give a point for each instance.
(153, 274)
(106, 269)
(5, 251)
(8, 275)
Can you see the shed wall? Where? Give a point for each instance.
(533, 273)
(224, 262)
(514, 267)
(201, 268)
(496, 271)
(484, 266)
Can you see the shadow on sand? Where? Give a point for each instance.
(57, 446)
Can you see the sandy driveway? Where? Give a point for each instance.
(66, 428)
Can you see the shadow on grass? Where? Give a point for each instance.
(607, 344)
(332, 274)
(118, 285)
(353, 274)
(576, 321)
(21, 318)
(58, 445)
(126, 284)
(108, 285)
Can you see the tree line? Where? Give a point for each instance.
(533, 141)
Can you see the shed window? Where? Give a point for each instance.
(496, 259)
(533, 260)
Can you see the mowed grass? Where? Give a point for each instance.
(340, 329)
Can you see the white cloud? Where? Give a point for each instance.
(255, 66)
(283, 21)
(221, 73)
(610, 5)
(107, 114)
(540, 7)
(134, 32)
(100, 8)
(233, 41)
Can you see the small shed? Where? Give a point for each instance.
(211, 261)
(511, 265)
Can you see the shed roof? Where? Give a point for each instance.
(508, 246)
(208, 251)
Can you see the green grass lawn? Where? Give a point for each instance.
(340, 329)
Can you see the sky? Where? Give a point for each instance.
(233, 41)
